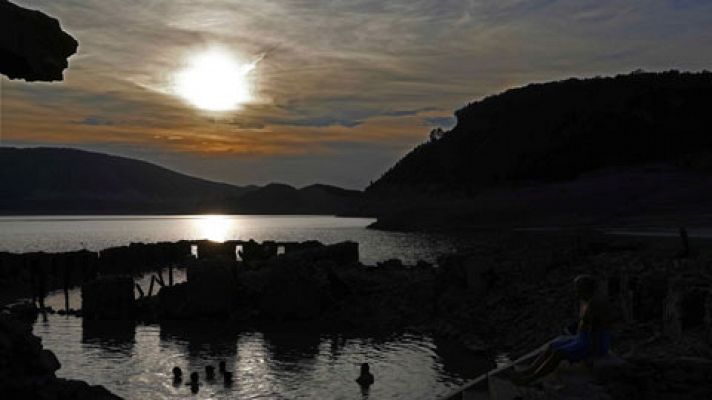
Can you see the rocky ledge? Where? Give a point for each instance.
(27, 371)
(33, 46)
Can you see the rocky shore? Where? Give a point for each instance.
(503, 294)
(514, 293)
(27, 370)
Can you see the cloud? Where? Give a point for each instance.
(441, 122)
(332, 74)
(403, 113)
(94, 121)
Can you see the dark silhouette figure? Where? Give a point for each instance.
(227, 378)
(685, 252)
(366, 378)
(221, 366)
(177, 376)
(209, 372)
(592, 338)
(194, 382)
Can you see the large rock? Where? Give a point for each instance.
(27, 371)
(33, 46)
(48, 361)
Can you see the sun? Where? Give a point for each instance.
(215, 80)
(216, 228)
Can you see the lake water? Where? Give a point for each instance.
(63, 233)
(135, 361)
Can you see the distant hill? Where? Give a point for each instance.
(314, 199)
(69, 181)
(541, 134)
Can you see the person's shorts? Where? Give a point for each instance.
(577, 347)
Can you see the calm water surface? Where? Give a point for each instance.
(135, 361)
(62, 233)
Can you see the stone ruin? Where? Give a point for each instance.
(210, 287)
(679, 297)
(108, 298)
(213, 284)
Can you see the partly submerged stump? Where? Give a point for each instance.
(108, 298)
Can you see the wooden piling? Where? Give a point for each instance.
(159, 278)
(140, 291)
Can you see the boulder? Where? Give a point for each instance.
(33, 46)
(48, 362)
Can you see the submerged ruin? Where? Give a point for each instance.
(504, 294)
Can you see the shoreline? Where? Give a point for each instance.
(504, 294)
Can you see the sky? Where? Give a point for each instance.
(340, 90)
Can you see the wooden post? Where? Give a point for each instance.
(685, 243)
(159, 278)
(42, 286)
(140, 291)
(150, 286)
(66, 285)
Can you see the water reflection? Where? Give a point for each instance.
(214, 227)
(99, 232)
(200, 339)
(457, 359)
(287, 349)
(137, 361)
(110, 336)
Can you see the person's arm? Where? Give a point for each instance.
(594, 339)
(585, 319)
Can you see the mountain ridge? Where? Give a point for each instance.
(42, 180)
(545, 133)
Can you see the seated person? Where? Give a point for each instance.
(592, 338)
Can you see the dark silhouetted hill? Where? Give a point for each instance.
(69, 181)
(314, 199)
(543, 135)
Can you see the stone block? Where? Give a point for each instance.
(211, 287)
(108, 298)
(208, 249)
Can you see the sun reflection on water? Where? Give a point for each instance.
(214, 227)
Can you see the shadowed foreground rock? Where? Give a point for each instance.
(27, 371)
(33, 46)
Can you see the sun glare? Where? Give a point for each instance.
(215, 80)
(214, 227)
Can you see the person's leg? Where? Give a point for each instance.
(548, 366)
(543, 356)
(556, 344)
